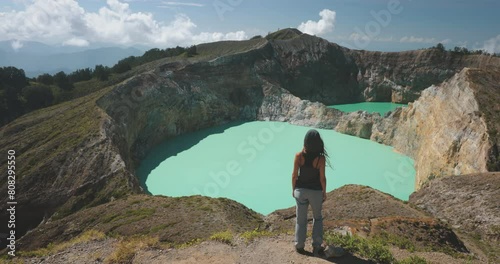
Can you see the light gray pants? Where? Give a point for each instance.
(304, 197)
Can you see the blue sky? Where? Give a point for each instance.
(387, 25)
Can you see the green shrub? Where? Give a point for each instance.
(413, 260)
(371, 249)
(224, 237)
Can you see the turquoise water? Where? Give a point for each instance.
(252, 163)
(370, 107)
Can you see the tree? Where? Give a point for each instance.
(256, 37)
(62, 80)
(123, 65)
(191, 51)
(80, 75)
(12, 81)
(37, 97)
(440, 47)
(101, 72)
(461, 50)
(45, 78)
(13, 77)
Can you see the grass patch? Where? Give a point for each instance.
(190, 243)
(224, 237)
(398, 241)
(136, 214)
(251, 235)
(90, 235)
(413, 260)
(128, 247)
(161, 227)
(371, 249)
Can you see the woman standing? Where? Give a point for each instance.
(309, 188)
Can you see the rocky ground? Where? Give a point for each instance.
(274, 249)
(468, 203)
(162, 230)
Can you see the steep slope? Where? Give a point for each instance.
(469, 202)
(66, 159)
(173, 220)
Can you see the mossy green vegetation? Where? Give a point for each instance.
(60, 129)
(287, 33)
(222, 48)
(127, 248)
(224, 237)
(398, 241)
(130, 215)
(90, 235)
(413, 260)
(372, 249)
(256, 233)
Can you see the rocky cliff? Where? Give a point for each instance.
(84, 153)
(401, 76)
(449, 130)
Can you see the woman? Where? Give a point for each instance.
(309, 188)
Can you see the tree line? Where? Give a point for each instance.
(20, 95)
(464, 51)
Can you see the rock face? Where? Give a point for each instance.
(468, 202)
(401, 76)
(447, 131)
(444, 131)
(67, 158)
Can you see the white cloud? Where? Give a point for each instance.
(182, 4)
(385, 39)
(79, 42)
(362, 37)
(445, 41)
(357, 37)
(492, 45)
(66, 22)
(206, 37)
(413, 39)
(16, 44)
(462, 44)
(324, 25)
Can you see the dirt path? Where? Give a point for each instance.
(278, 249)
(275, 249)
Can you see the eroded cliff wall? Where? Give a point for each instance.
(401, 76)
(445, 131)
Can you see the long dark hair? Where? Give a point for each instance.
(314, 145)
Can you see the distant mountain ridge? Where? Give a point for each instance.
(37, 58)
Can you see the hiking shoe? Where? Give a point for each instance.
(300, 251)
(318, 251)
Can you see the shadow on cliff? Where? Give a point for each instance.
(174, 146)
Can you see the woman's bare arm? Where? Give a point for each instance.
(322, 177)
(295, 172)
